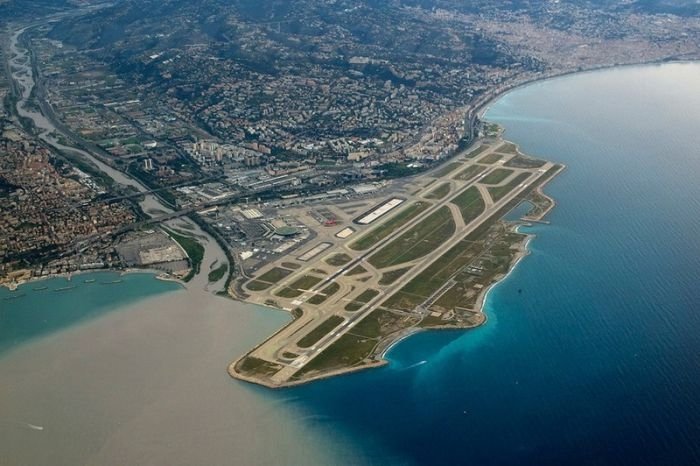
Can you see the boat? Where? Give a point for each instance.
(113, 282)
(65, 288)
(40, 288)
(89, 280)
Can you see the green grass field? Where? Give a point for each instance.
(319, 332)
(498, 192)
(521, 161)
(298, 286)
(423, 238)
(491, 158)
(338, 259)
(364, 297)
(357, 270)
(369, 326)
(390, 277)
(446, 169)
(274, 275)
(254, 366)
(470, 172)
(257, 285)
(291, 265)
(325, 293)
(470, 203)
(496, 176)
(388, 227)
(347, 351)
(507, 148)
(439, 192)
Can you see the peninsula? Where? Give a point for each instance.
(327, 159)
(420, 256)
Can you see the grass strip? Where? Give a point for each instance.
(364, 297)
(423, 238)
(391, 276)
(470, 204)
(325, 294)
(496, 176)
(439, 192)
(491, 158)
(445, 169)
(498, 192)
(298, 287)
(338, 259)
(349, 350)
(479, 150)
(274, 275)
(319, 332)
(470, 172)
(387, 228)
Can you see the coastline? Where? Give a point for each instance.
(389, 342)
(157, 274)
(482, 108)
(45, 124)
(479, 109)
(377, 357)
(385, 345)
(584, 335)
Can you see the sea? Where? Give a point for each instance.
(590, 355)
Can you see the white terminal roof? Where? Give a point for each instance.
(379, 211)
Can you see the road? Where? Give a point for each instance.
(24, 74)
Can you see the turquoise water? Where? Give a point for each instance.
(31, 311)
(519, 211)
(598, 360)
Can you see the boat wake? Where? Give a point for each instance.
(419, 363)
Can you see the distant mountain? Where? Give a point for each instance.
(27, 9)
(675, 7)
(173, 22)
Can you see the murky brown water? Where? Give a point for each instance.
(148, 385)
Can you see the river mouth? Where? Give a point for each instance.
(23, 73)
(590, 356)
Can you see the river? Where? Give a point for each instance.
(589, 355)
(23, 74)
